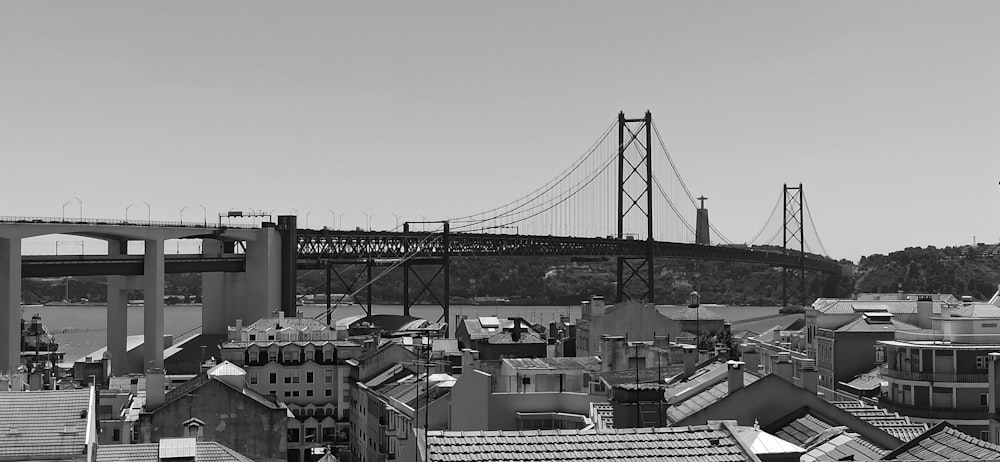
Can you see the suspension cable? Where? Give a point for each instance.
(805, 205)
(766, 222)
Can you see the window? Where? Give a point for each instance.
(309, 392)
(329, 392)
(981, 362)
(253, 337)
(309, 377)
(116, 435)
(273, 377)
(288, 393)
(310, 434)
(328, 376)
(253, 377)
(293, 435)
(288, 378)
(194, 428)
(984, 399)
(989, 324)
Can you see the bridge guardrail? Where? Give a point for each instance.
(118, 222)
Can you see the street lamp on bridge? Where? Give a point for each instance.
(81, 206)
(204, 212)
(64, 209)
(126, 210)
(182, 214)
(149, 211)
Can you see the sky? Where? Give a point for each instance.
(888, 112)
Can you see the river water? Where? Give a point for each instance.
(89, 323)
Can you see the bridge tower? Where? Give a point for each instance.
(426, 270)
(635, 197)
(793, 236)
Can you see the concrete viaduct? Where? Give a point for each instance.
(250, 294)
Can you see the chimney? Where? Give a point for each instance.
(469, 358)
(783, 366)
(925, 309)
(239, 324)
(809, 375)
(596, 306)
(155, 388)
(585, 309)
(751, 357)
(690, 360)
(661, 341)
(735, 375)
(515, 335)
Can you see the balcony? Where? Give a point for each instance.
(937, 377)
(935, 412)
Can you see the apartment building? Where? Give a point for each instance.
(301, 362)
(942, 373)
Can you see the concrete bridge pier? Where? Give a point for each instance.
(213, 294)
(153, 305)
(10, 303)
(249, 295)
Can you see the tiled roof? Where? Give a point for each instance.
(977, 310)
(945, 442)
(301, 343)
(714, 442)
(587, 363)
(688, 405)
(802, 429)
(828, 306)
(866, 296)
(864, 325)
(44, 424)
(207, 451)
(689, 314)
(889, 422)
(836, 444)
(507, 337)
(295, 323)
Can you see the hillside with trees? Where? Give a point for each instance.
(961, 271)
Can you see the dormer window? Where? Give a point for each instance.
(194, 428)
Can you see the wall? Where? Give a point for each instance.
(229, 417)
(503, 407)
(854, 353)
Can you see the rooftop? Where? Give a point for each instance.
(488, 326)
(45, 424)
(687, 313)
(586, 363)
(715, 442)
(204, 451)
(945, 442)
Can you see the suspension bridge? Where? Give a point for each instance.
(623, 197)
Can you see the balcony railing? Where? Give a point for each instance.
(948, 337)
(935, 412)
(937, 376)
